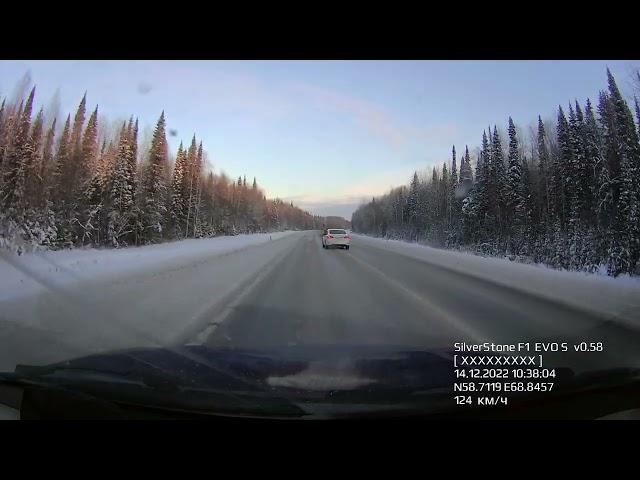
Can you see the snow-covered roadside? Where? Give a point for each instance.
(71, 266)
(614, 297)
(148, 296)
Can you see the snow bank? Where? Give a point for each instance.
(617, 298)
(69, 266)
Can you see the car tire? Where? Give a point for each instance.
(347, 247)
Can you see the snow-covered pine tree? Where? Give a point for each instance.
(545, 213)
(178, 200)
(89, 181)
(573, 190)
(514, 198)
(586, 165)
(34, 183)
(154, 188)
(196, 192)
(89, 148)
(455, 203)
(47, 164)
(444, 209)
(3, 119)
(608, 173)
(120, 225)
(563, 179)
(529, 207)
(75, 171)
(496, 190)
(190, 185)
(599, 178)
(466, 173)
(637, 113)
(563, 172)
(412, 203)
(475, 208)
(59, 187)
(626, 249)
(78, 124)
(134, 155)
(466, 194)
(4, 137)
(16, 163)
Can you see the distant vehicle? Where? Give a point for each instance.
(336, 237)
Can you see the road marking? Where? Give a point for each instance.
(220, 309)
(456, 322)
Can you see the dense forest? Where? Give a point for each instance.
(65, 184)
(570, 198)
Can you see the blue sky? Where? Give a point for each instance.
(325, 134)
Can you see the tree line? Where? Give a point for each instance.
(570, 199)
(66, 187)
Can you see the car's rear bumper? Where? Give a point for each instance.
(337, 242)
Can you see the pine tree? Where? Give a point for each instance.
(563, 171)
(78, 123)
(77, 170)
(120, 225)
(546, 212)
(190, 184)
(597, 171)
(3, 120)
(33, 181)
(625, 251)
(466, 173)
(62, 160)
(443, 201)
(496, 188)
(46, 170)
(637, 113)
(454, 202)
(88, 183)
(514, 195)
(94, 216)
(178, 200)
(196, 191)
(475, 206)
(4, 136)
(17, 162)
(529, 205)
(412, 203)
(89, 149)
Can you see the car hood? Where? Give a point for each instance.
(318, 381)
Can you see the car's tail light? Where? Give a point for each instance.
(348, 237)
(329, 236)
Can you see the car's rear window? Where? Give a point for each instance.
(337, 232)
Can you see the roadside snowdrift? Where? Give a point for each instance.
(66, 267)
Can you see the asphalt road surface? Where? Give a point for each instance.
(369, 295)
(293, 292)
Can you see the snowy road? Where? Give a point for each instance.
(289, 290)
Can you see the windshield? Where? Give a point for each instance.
(165, 236)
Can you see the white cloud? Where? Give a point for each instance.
(373, 117)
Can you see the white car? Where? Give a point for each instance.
(336, 237)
